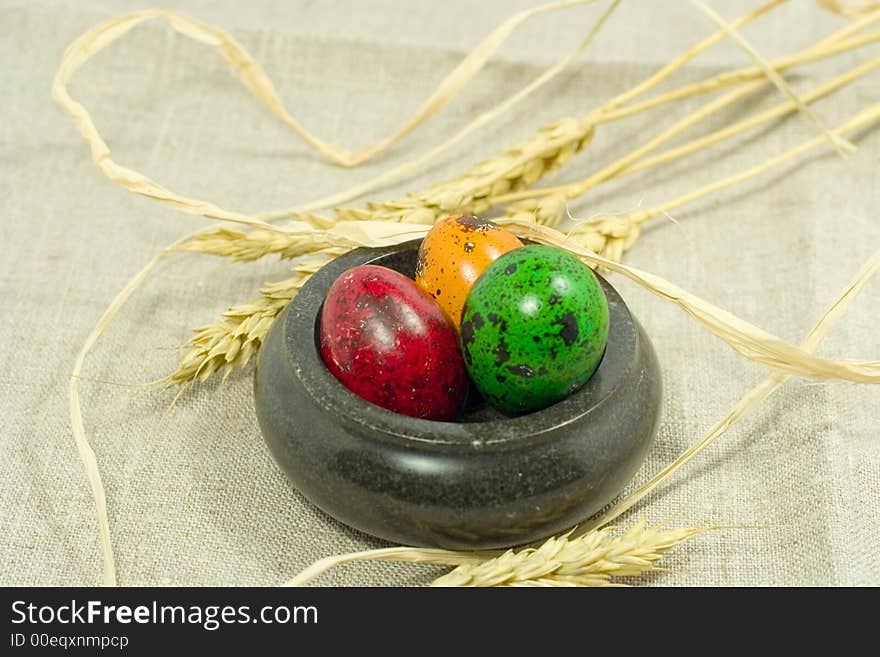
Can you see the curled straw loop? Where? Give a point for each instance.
(258, 83)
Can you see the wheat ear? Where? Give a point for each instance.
(233, 341)
(592, 559)
(504, 177)
(587, 124)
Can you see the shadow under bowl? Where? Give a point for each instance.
(486, 481)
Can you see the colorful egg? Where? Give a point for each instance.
(534, 328)
(390, 343)
(453, 255)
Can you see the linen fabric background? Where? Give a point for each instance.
(194, 496)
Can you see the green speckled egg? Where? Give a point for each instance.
(534, 328)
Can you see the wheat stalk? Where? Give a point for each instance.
(587, 125)
(499, 178)
(834, 44)
(592, 559)
(610, 235)
(841, 145)
(607, 235)
(503, 178)
(515, 168)
(546, 205)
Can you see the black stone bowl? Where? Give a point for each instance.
(486, 481)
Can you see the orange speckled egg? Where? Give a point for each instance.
(453, 255)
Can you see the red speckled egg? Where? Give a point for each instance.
(390, 343)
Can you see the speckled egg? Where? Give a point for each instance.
(391, 344)
(453, 255)
(534, 328)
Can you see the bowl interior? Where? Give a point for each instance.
(494, 428)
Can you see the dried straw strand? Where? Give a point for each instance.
(258, 83)
(748, 340)
(84, 449)
(863, 118)
(611, 235)
(850, 8)
(833, 314)
(404, 554)
(841, 145)
(833, 45)
(673, 66)
(752, 122)
(643, 87)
